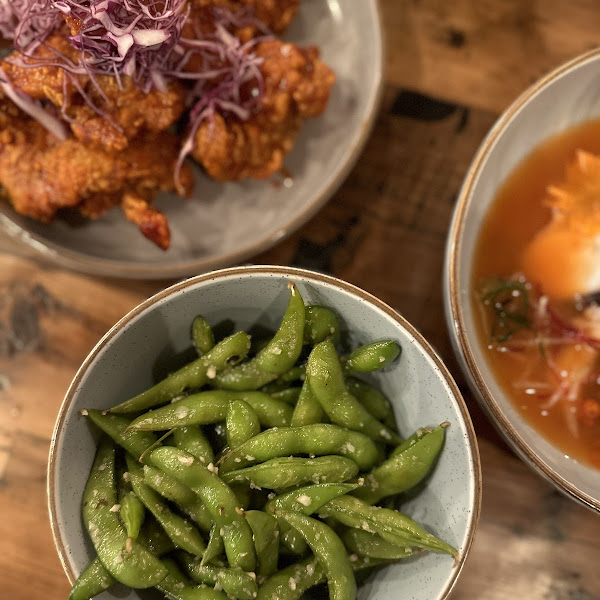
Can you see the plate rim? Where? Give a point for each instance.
(84, 263)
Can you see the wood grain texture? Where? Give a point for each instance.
(452, 67)
(483, 53)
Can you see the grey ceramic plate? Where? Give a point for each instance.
(419, 385)
(225, 224)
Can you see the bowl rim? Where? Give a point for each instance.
(85, 263)
(288, 272)
(455, 310)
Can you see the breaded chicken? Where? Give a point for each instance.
(126, 109)
(297, 86)
(274, 15)
(42, 174)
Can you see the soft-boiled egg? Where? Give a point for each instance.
(564, 257)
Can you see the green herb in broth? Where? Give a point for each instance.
(507, 300)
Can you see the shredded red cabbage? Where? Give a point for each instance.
(143, 39)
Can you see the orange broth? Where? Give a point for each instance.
(516, 214)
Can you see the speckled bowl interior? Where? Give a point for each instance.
(420, 387)
(566, 97)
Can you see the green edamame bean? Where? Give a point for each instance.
(291, 582)
(330, 552)
(372, 357)
(153, 537)
(126, 560)
(218, 498)
(306, 500)
(277, 357)
(317, 439)
(234, 581)
(309, 499)
(408, 442)
(202, 336)
(307, 411)
(281, 473)
(176, 587)
(93, 580)
(242, 423)
(391, 525)
(326, 379)
(177, 492)
(193, 375)
(192, 440)
(132, 514)
(320, 323)
(214, 547)
(296, 373)
(404, 470)
(116, 427)
(211, 407)
(289, 395)
(372, 545)
(183, 534)
(266, 541)
(373, 400)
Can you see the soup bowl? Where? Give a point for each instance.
(565, 98)
(418, 384)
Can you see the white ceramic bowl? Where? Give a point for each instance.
(224, 224)
(420, 387)
(562, 99)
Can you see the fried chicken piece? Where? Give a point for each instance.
(42, 174)
(297, 86)
(127, 110)
(275, 14)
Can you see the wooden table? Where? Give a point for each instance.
(452, 67)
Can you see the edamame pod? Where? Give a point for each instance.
(404, 470)
(391, 525)
(320, 323)
(218, 498)
(372, 357)
(211, 407)
(373, 400)
(277, 357)
(266, 541)
(291, 582)
(317, 439)
(242, 423)
(214, 547)
(306, 500)
(192, 440)
(132, 514)
(281, 473)
(127, 561)
(116, 427)
(176, 587)
(307, 411)
(202, 336)
(93, 580)
(326, 379)
(372, 545)
(330, 552)
(234, 581)
(175, 491)
(193, 375)
(183, 534)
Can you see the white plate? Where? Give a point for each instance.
(226, 223)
